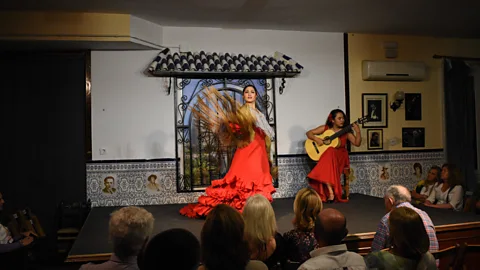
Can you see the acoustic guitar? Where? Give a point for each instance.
(330, 139)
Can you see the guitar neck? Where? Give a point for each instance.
(342, 131)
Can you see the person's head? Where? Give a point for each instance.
(260, 222)
(330, 227)
(434, 174)
(2, 201)
(336, 118)
(129, 228)
(451, 175)
(250, 94)
(222, 240)
(108, 181)
(152, 178)
(375, 136)
(407, 233)
(396, 195)
(418, 168)
(307, 206)
(172, 249)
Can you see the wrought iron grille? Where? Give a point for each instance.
(200, 156)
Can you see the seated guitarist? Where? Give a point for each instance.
(325, 176)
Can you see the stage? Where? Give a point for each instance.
(362, 212)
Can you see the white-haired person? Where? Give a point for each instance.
(409, 244)
(395, 197)
(265, 243)
(129, 230)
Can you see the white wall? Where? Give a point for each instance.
(140, 116)
(132, 117)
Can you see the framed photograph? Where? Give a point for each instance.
(374, 106)
(374, 139)
(413, 137)
(413, 106)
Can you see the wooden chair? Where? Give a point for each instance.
(471, 252)
(448, 256)
(70, 219)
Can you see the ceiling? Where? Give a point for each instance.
(414, 17)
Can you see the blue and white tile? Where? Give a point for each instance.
(131, 178)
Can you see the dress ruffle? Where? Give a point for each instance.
(249, 174)
(233, 192)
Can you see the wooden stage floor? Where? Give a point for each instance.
(362, 212)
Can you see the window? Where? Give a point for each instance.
(200, 157)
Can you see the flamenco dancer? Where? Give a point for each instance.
(246, 128)
(325, 176)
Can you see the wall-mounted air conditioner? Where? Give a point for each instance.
(393, 71)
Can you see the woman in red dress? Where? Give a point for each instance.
(250, 172)
(325, 176)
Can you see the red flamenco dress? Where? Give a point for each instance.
(250, 172)
(328, 170)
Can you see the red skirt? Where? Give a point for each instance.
(249, 174)
(328, 171)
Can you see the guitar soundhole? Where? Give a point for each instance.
(315, 146)
(326, 141)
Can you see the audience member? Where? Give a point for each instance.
(9, 243)
(129, 230)
(300, 241)
(449, 194)
(395, 197)
(425, 187)
(410, 244)
(172, 249)
(330, 230)
(265, 243)
(223, 244)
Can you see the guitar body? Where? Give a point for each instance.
(315, 151)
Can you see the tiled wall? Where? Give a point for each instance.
(131, 178)
(368, 170)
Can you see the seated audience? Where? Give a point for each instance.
(330, 230)
(9, 243)
(300, 241)
(410, 244)
(223, 243)
(129, 229)
(172, 249)
(425, 187)
(449, 194)
(265, 243)
(398, 196)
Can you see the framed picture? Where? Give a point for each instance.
(413, 106)
(413, 137)
(374, 106)
(374, 139)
